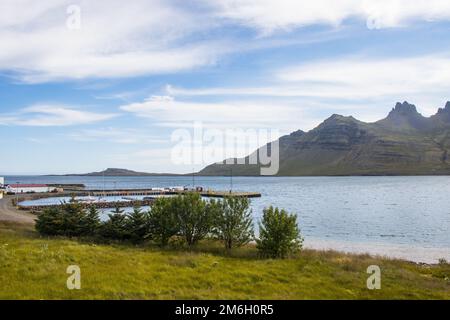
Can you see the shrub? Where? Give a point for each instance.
(73, 216)
(50, 222)
(163, 222)
(116, 227)
(195, 217)
(69, 219)
(90, 223)
(279, 235)
(138, 225)
(233, 224)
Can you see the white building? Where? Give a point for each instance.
(2, 184)
(28, 188)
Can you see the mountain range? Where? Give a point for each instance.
(403, 143)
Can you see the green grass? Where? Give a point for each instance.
(35, 268)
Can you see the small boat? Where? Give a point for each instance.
(89, 199)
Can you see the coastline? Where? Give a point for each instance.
(417, 254)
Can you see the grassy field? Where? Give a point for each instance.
(35, 268)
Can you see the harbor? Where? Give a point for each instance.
(110, 198)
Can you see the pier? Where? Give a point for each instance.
(148, 194)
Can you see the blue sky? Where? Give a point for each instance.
(106, 84)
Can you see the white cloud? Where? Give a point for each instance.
(365, 81)
(115, 135)
(168, 111)
(116, 39)
(420, 79)
(271, 15)
(142, 37)
(52, 115)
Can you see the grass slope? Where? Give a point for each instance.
(35, 268)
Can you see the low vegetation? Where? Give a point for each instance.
(279, 234)
(176, 251)
(34, 267)
(187, 217)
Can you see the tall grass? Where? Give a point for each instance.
(32, 267)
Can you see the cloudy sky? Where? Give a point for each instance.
(86, 85)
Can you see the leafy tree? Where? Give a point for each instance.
(234, 225)
(279, 234)
(163, 221)
(195, 216)
(138, 225)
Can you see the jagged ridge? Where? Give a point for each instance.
(404, 143)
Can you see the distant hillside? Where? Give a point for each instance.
(404, 143)
(116, 172)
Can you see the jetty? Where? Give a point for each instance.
(149, 195)
(152, 192)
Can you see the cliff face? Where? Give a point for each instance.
(404, 143)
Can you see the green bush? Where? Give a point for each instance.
(279, 235)
(116, 227)
(69, 219)
(90, 224)
(50, 222)
(187, 216)
(195, 217)
(163, 222)
(233, 224)
(138, 225)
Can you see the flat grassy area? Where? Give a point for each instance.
(35, 268)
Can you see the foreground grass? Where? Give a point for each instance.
(35, 268)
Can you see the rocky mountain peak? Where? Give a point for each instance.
(446, 109)
(404, 108)
(336, 118)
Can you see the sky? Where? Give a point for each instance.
(86, 85)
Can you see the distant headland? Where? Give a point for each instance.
(118, 172)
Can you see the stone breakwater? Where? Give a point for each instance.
(97, 205)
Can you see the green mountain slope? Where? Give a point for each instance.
(404, 143)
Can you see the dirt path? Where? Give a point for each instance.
(10, 214)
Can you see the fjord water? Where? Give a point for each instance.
(407, 217)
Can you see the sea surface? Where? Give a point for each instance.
(405, 217)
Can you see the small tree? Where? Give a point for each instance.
(74, 216)
(163, 221)
(117, 209)
(70, 219)
(195, 217)
(50, 222)
(279, 234)
(234, 225)
(90, 224)
(138, 225)
(116, 227)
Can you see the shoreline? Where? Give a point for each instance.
(416, 254)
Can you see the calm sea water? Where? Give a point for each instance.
(405, 217)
